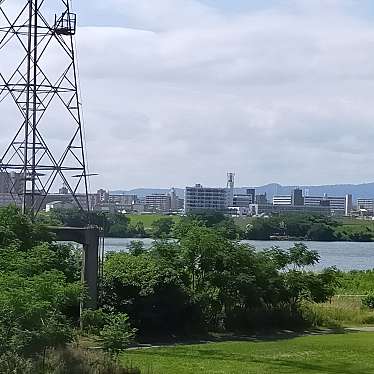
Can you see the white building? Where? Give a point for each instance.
(339, 205)
(200, 199)
(282, 200)
(366, 205)
(158, 202)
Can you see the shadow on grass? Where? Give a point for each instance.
(266, 336)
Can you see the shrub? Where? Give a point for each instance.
(93, 321)
(12, 363)
(118, 334)
(79, 361)
(368, 301)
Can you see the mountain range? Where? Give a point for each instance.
(365, 190)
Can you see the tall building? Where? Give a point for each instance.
(261, 199)
(200, 199)
(297, 197)
(174, 200)
(102, 196)
(230, 188)
(158, 202)
(252, 193)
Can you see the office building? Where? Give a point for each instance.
(174, 200)
(252, 193)
(282, 200)
(204, 199)
(244, 200)
(338, 205)
(297, 197)
(158, 203)
(261, 199)
(201, 199)
(366, 206)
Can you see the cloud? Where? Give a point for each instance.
(182, 92)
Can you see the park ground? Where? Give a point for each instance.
(349, 352)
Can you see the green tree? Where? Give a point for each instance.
(117, 334)
(162, 227)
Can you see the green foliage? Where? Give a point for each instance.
(321, 232)
(93, 321)
(117, 334)
(71, 360)
(162, 228)
(39, 288)
(136, 248)
(339, 312)
(356, 282)
(206, 281)
(223, 225)
(368, 301)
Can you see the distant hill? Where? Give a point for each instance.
(357, 190)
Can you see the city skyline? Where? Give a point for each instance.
(175, 91)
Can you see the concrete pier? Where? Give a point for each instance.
(89, 238)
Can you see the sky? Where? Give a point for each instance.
(178, 92)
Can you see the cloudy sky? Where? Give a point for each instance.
(177, 92)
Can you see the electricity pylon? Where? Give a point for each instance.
(38, 75)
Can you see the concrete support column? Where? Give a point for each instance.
(89, 238)
(90, 269)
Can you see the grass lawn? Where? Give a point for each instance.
(148, 219)
(351, 353)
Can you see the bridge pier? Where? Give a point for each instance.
(89, 238)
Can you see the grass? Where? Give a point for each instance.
(148, 219)
(325, 354)
(341, 312)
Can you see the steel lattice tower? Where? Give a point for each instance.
(38, 74)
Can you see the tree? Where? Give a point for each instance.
(162, 227)
(117, 334)
(136, 248)
(321, 232)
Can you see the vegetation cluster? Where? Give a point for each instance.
(203, 280)
(307, 227)
(40, 296)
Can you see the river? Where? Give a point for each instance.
(344, 255)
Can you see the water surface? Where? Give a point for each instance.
(344, 255)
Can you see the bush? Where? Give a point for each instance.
(338, 313)
(117, 334)
(80, 361)
(368, 301)
(93, 321)
(12, 363)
